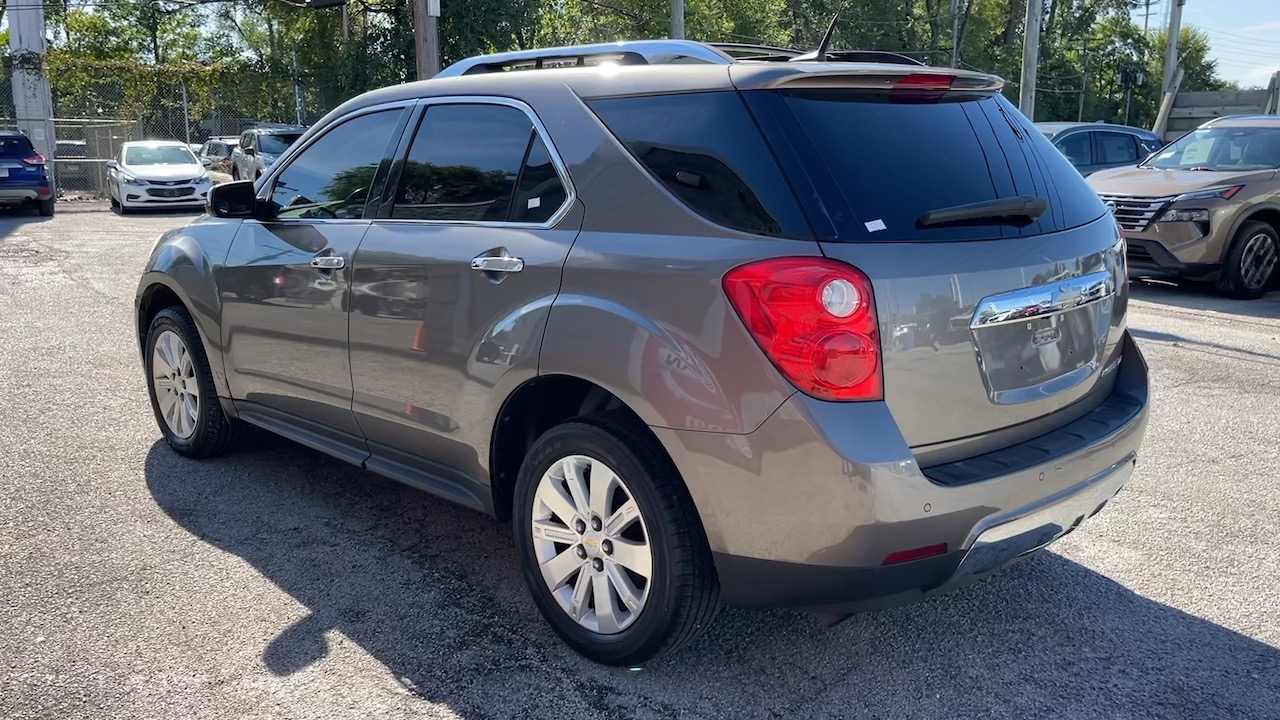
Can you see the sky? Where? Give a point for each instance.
(1244, 34)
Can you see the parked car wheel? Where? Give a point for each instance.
(180, 383)
(610, 544)
(47, 207)
(1251, 261)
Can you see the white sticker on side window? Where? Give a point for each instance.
(535, 202)
(875, 225)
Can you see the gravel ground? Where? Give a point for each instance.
(276, 583)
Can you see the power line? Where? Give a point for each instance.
(1237, 37)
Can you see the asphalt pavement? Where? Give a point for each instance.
(276, 583)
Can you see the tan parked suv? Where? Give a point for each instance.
(1206, 207)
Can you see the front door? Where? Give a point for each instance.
(286, 280)
(451, 291)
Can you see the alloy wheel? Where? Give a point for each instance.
(591, 544)
(173, 379)
(1258, 260)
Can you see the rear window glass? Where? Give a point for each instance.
(15, 146)
(706, 149)
(893, 161)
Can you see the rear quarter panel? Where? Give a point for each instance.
(641, 311)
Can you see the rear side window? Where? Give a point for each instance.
(890, 162)
(1114, 148)
(1076, 147)
(15, 146)
(539, 193)
(706, 149)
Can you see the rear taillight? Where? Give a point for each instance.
(815, 319)
(34, 159)
(921, 86)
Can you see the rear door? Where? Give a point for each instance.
(453, 284)
(988, 326)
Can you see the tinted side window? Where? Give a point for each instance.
(1076, 147)
(463, 164)
(1115, 148)
(332, 176)
(540, 193)
(706, 149)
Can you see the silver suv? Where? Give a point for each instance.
(695, 339)
(259, 148)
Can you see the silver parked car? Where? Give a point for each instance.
(695, 339)
(259, 148)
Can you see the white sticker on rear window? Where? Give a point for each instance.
(535, 202)
(875, 225)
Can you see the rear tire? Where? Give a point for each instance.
(648, 510)
(180, 383)
(1251, 261)
(47, 207)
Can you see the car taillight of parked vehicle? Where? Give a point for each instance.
(34, 159)
(815, 319)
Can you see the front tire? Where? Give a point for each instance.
(610, 544)
(180, 383)
(1251, 261)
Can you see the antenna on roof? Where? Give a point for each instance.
(826, 39)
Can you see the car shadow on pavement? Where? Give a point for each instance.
(1189, 295)
(433, 593)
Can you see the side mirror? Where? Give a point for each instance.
(207, 162)
(112, 165)
(234, 200)
(250, 151)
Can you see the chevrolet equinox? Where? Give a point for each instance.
(765, 331)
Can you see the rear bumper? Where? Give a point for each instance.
(804, 512)
(23, 195)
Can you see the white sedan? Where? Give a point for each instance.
(157, 174)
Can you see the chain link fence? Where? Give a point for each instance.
(97, 106)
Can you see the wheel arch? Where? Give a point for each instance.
(535, 406)
(179, 273)
(1268, 212)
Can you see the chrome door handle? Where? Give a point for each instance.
(328, 262)
(497, 263)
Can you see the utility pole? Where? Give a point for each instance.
(955, 33)
(32, 99)
(1030, 59)
(1084, 78)
(677, 19)
(1171, 46)
(426, 37)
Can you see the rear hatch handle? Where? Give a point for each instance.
(1019, 210)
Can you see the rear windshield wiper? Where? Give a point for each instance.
(1004, 211)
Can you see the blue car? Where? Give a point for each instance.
(24, 178)
(1100, 146)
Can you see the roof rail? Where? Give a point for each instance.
(633, 52)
